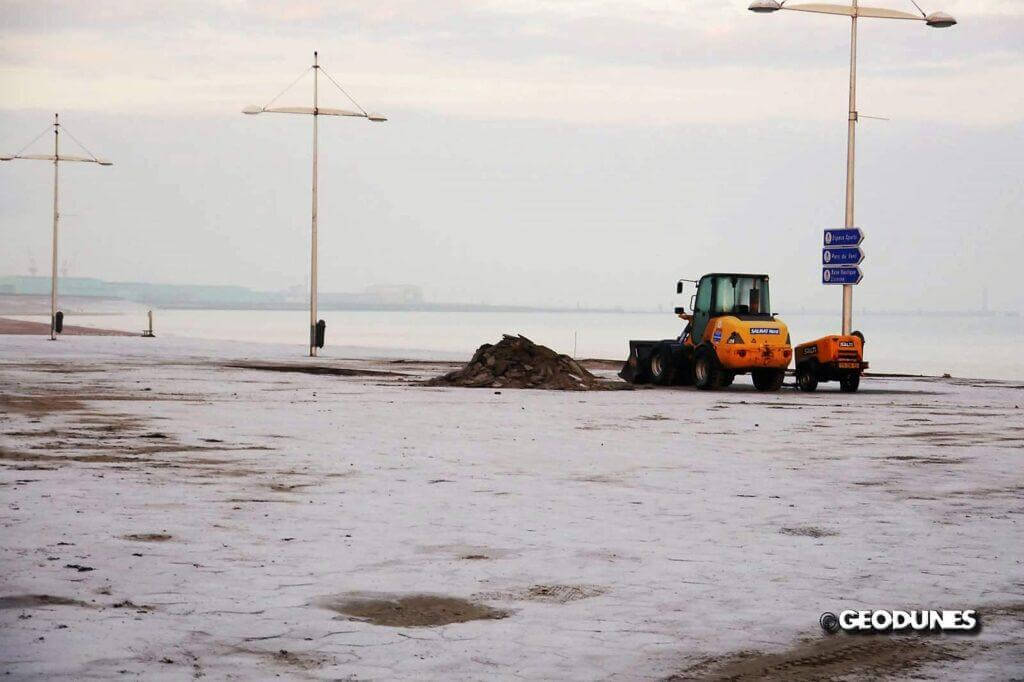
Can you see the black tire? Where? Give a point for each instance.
(807, 377)
(662, 366)
(727, 379)
(768, 379)
(684, 370)
(707, 374)
(849, 383)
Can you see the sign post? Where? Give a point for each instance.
(841, 275)
(841, 256)
(851, 236)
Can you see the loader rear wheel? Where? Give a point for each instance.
(807, 378)
(768, 379)
(707, 375)
(662, 366)
(849, 383)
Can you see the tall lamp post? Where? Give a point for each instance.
(315, 111)
(935, 20)
(56, 158)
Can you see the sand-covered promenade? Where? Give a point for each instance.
(9, 326)
(176, 509)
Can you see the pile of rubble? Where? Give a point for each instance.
(517, 362)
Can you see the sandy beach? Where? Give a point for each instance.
(24, 327)
(179, 510)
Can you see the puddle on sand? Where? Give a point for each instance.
(836, 657)
(415, 610)
(554, 594)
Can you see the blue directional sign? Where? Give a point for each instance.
(847, 255)
(851, 236)
(841, 275)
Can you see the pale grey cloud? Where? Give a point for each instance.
(574, 61)
(538, 151)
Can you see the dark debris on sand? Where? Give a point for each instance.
(517, 362)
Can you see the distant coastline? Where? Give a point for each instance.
(38, 304)
(15, 291)
(29, 295)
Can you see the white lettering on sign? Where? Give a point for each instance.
(765, 330)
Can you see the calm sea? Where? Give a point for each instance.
(977, 347)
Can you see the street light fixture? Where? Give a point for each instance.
(315, 111)
(940, 20)
(853, 10)
(56, 158)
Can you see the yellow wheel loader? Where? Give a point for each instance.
(730, 331)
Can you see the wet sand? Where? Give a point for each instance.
(172, 509)
(25, 327)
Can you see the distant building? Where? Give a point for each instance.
(212, 296)
(159, 294)
(396, 294)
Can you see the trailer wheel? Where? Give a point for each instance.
(807, 377)
(662, 366)
(849, 383)
(768, 379)
(707, 375)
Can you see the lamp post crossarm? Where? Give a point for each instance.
(847, 10)
(320, 111)
(60, 157)
(317, 110)
(91, 158)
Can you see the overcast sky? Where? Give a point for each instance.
(538, 151)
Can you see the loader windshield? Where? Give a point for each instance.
(741, 295)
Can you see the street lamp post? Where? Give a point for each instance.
(935, 20)
(56, 157)
(315, 111)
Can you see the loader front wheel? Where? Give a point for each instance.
(663, 366)
(707, 375)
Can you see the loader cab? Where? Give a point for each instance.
(742, 296)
